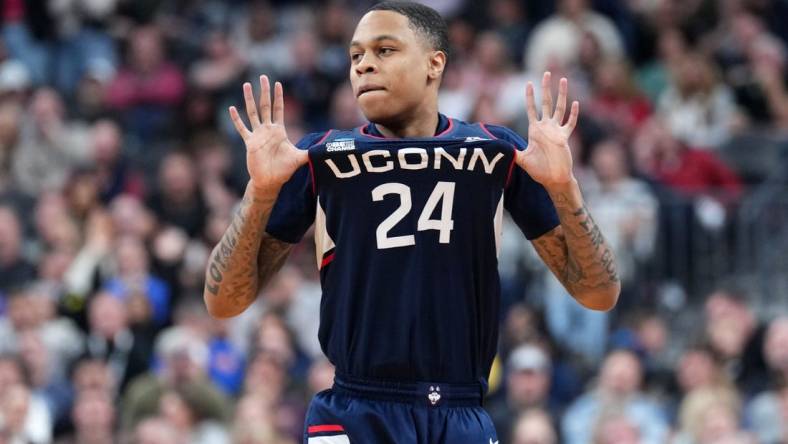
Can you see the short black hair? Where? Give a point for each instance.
(423, 20)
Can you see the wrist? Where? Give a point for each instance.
(566, 194)
(262, 193)
(569, 186)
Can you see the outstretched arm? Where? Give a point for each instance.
(247, 257)
(575, 251)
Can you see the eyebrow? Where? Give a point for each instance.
(377, 39)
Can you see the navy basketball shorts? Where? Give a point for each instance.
(358, 411)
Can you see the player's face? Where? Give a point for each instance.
(391, 66)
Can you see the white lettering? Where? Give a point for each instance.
(412, 158)
(344, 175)
(403, 163)
(457, 163)
(388, 166)
(478, 153)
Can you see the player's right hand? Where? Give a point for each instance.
(270, 157)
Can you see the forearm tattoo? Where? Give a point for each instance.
(246, 257)
(576, 251)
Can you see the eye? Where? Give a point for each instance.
(385, 51)
(356, 57)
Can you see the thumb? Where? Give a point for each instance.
(302, 156)
(521, 157)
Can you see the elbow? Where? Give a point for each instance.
(600, 299)
(218, 311)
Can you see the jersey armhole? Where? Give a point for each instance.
(514, 157)
(311, 166)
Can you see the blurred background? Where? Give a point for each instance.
(119, 171)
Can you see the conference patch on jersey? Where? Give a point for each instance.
(341, 145)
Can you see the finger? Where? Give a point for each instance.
(575, 111)
(265, 99)
(547, 96)
(560, 106)
(251, 109)
(279, 104)
(530, 103)
(238, 123)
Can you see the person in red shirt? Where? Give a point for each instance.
(689, 171)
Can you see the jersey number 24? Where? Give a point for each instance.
(442, 193)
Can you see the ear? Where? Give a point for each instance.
(437, 63)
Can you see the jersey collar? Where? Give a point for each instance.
(444, 125)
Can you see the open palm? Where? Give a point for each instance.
(270, 156)
(548, 159)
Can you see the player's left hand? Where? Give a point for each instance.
(548, 159)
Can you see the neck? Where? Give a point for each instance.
(422, 123)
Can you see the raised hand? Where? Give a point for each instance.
(548, 159)
(270, 157)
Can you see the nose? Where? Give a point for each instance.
(366, 65)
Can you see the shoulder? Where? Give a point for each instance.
(504, 133)
(312, 139)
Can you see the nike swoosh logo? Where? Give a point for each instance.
(491, 441)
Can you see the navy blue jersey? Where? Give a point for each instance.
(407, 233)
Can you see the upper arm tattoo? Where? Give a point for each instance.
(551, 247)
(272, 256)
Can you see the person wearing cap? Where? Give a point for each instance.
(528, 382)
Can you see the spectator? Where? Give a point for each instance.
(182, 362)
(221, 67)
(618, 388)
(113, 171)
(334, 33)
(320, 377)
(534, 427)
(21, 421)
(181, 408)
(32, 308)
(178, 199)
(752, 59)
(155, 430)
(93, 416)
(697, 107)
(616, 429)
(111, 339)
(711, 415)
(556, 41)
(735, 335)
(82, 38)
(92, 374)
(254, 423)
(527, 388)
(267, 379)
(767, 406)
(148, 87)
(617, 103)
(308, 84)
(134, 279)
(257, 40)
(688, 171)
(49, 145)
(624, 207)
(44, 376)
(15, 270)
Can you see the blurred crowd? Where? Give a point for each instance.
(119, 171)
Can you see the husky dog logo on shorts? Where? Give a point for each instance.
(434, 395)
(327, 434)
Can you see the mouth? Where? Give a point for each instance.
(368, 88)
